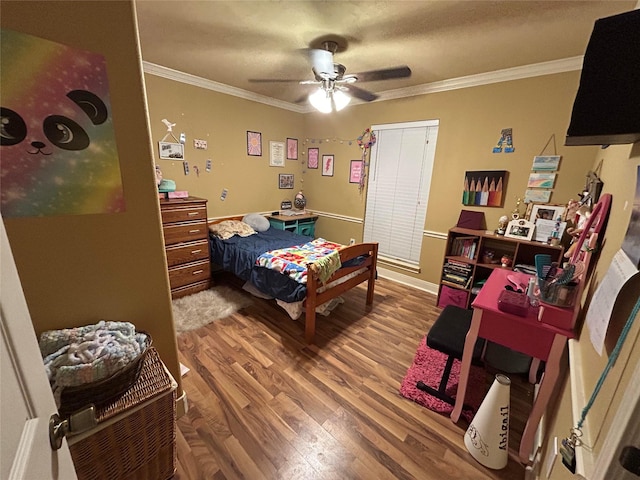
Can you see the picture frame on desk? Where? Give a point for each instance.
(520, 228)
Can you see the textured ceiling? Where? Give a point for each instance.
(230, 42)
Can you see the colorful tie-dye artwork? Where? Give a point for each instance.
(58, 153)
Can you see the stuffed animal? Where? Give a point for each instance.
(577, 216)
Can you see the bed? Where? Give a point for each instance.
(238, 254)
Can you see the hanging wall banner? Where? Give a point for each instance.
(59, 152)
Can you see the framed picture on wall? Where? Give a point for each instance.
(292, 148)
(327, 165)
(484, 188)
(171, 151)
(355, 171)
(276, 154)
(541, 180)
(254, 144)
(285, 180)
(548, 163)
(312, 157)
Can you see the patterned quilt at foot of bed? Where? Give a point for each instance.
(324, 257)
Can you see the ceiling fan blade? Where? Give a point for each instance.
(272, 80)
(322, 63)
(359, 93)
(384, 74)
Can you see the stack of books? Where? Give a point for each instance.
(457, 273)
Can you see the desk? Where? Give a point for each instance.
(528, 335)
(303, 224)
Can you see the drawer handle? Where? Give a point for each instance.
(194, 231)
(191, 214)
(197, 272)
(193, 252)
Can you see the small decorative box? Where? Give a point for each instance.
(513, 302)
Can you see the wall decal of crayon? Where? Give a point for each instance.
(484, 188)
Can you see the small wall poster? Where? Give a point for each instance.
(484, 188)
(292, 148)
(254, 144)
(548, 163)
(541, 180)
(537, 196)
(355, 171)
(327, 165)
(276, 154)
(312, 157)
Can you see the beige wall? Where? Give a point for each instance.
(619, 173)
(223, 121)
(76, 270)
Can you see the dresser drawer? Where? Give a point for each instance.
(189, 273)
(187, 252)
(184, 213)
(189, 289)
(184, 232)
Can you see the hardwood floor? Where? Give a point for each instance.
(264, 405)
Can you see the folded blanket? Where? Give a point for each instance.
(77, 356)
(324, 267)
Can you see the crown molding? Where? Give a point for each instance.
(508, 74)
(498, 76)
(171, 74)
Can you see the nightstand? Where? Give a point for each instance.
(304, 224)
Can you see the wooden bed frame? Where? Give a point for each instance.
(315, 298)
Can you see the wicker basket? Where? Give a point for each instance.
(136, 434)
(102, 391)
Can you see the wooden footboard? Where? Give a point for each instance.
(314, 298)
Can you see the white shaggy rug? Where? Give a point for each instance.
(197, 310)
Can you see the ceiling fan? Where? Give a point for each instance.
(333, 81)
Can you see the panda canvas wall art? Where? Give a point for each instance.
(58, 152)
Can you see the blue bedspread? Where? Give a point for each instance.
(239, 254)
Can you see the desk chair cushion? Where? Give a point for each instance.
(447, 335)
(449, 332)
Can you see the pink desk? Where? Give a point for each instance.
(524, 334)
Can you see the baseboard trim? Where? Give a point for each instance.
(182, 405)
(423, 285)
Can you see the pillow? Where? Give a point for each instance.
(228, 228)
(258, 222)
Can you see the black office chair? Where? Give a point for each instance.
(447, 335)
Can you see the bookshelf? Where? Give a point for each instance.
(471, 255)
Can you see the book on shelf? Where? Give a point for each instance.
(464, 247)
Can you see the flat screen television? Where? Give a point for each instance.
(606, 109)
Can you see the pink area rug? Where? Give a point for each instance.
(427, 366)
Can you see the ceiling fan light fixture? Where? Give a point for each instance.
(340, 99)
(326, 101)
(321, 100)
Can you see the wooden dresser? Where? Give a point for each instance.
(184, 224)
